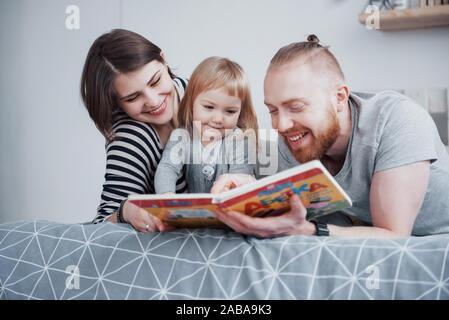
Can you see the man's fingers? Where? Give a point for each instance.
(229, 221)
(266, 226)
(296, 206)
(242, 223)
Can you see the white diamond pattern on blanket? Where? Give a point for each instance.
(47, 260)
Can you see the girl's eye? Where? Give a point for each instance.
(274, 111)
(209, 107)
(231, 111)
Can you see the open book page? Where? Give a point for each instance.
(316, 188)
(186, 210)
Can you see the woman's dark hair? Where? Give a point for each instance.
(118, 51)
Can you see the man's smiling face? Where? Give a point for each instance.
(301, 109)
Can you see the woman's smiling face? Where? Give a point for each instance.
(147, 94)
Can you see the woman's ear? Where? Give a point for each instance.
(163, 56)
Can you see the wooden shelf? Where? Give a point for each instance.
(415, 18)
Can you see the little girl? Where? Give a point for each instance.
(214, 112)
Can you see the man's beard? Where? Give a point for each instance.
(320, 143)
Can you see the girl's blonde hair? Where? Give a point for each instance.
(215, 73)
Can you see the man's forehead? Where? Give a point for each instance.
(295, 80)
(289, 82)
(295, 70)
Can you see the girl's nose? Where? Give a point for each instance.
(217, 117)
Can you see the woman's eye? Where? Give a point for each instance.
(273, 111)
(131, 99)
(156, 82)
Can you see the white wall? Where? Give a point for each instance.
(52, 157)
(251, 31)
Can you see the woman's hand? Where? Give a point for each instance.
(229, 181)
(143, 221)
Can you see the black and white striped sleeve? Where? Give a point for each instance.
(131, 161)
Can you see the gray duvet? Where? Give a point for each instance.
(47, 260)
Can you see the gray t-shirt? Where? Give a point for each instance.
(390, 130)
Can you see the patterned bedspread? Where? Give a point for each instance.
(47, 260)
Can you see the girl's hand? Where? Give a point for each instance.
(229, 181)
(143, 221)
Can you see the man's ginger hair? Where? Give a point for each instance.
(312, 53)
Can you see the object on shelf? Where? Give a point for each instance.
(381, 4)
(414, 18)
(432, 3)
(393, 4)
(401, 4)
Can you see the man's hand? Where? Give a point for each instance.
(230, 181)
(290, 223)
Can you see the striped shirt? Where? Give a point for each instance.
(131, 161)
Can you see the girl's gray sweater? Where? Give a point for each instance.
(235, 155)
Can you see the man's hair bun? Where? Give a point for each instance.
(313, 38)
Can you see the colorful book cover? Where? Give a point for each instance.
(317, 189)
(182, 210)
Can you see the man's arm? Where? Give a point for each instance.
(396, 197)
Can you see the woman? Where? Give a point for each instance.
(132, 96)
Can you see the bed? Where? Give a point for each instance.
(48, 260)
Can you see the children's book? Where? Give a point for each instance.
(315, 186)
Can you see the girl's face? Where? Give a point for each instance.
(216, 113)
(147, 94)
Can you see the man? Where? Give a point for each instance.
(383, 149)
